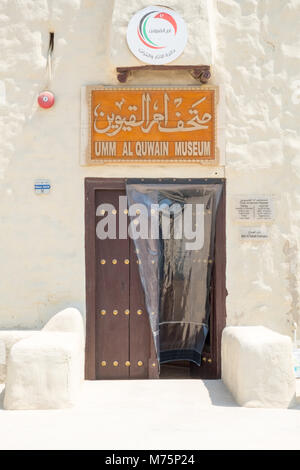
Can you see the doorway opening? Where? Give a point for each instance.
(154, 310)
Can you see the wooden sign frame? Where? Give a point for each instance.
(202, 123)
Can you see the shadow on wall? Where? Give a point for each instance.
(219, 394)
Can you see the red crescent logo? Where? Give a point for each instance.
(167, 17)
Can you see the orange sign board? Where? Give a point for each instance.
(152, 124)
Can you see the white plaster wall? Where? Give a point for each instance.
(258, 59)
(42, 237)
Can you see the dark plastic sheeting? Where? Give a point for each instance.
(176, 280)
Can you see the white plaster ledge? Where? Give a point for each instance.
(257, 367)
(7, 339)
(46, 369)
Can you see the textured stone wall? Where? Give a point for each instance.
(258, 60)
(42, 237)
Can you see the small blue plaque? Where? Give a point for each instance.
(42, 186)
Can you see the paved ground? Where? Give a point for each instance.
(164, 414)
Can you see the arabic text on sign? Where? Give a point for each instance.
(157, 124)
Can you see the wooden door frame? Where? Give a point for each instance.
(211, 367)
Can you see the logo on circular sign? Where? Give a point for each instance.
(156, 35)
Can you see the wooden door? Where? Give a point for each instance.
(119, 342)
(119, 338)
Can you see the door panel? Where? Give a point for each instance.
(122, 331)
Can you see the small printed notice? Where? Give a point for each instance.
(253, 207)
(254, 233)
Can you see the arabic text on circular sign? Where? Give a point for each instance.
(156, 35)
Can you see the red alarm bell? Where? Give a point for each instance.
(46, 99)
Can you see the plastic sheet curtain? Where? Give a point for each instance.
(175, 269)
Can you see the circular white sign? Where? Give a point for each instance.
(156, 35)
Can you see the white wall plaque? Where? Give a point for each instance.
(253, 207)
(254, 233)
(156, 35)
